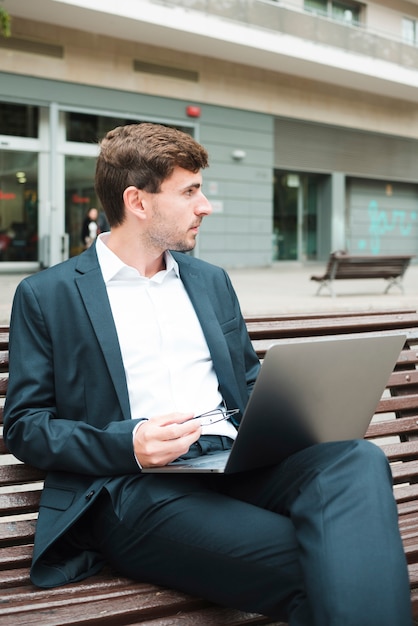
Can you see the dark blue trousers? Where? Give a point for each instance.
(313, 541)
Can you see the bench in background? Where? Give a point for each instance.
(108, 599)
(343, 266)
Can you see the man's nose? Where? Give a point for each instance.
(204, 207)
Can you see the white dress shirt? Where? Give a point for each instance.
(167, 362)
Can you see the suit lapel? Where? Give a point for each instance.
(93, 293)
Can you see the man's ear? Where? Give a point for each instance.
(133, 199)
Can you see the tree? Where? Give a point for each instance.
(5, 21)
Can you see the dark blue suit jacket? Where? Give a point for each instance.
(67, 408)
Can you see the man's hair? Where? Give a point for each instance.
(142, 155)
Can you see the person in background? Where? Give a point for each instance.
(113, 354)
(89, 229)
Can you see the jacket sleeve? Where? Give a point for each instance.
(55, 425)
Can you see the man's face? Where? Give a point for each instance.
(177, 212)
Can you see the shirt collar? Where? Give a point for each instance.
(113, 267)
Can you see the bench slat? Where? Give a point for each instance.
(3, 385)
(129, 601)
(404, 470)
(407, 507)
(4, 360)
(388, 428)
(19, 474)
(293, 328)
(406, 493)
(106, 582)
(305, 318)
(404, 378)
(414, 602)
(262, 345)
(4, 339)
(20, 502)
(401, 451)
(12, 578)
(15, 557)
(17, 532)
(398, 403)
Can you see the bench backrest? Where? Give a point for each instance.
(348, 266)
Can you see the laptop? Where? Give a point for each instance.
(309, 391)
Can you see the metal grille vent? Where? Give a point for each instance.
(32, 47)
(166, 70)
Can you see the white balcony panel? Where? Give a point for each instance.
(199, 33)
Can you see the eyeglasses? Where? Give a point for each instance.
(217, 415)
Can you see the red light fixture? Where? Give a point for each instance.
(193, 111)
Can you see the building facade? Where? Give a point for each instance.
(308, 110)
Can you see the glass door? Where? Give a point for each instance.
(80, 202)
(285, 227)
(18, 206)
(311, 194)
(295, 216)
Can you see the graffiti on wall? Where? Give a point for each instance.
(382, 222)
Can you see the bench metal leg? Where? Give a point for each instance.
(328, 285)
(397, 282)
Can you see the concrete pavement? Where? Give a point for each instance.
(285, 288)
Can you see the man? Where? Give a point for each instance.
(113, 353)
(89, 228)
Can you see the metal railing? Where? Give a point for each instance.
(284, 18)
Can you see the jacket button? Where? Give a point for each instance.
(89, 495)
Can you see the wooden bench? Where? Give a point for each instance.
(110, 599)
(343, 266)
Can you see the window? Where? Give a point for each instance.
(347, 11)
(18, 120)
(409, 30)
(86, 128)
(317, 6)
(90, 128)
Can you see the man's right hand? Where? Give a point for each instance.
(163, 438)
